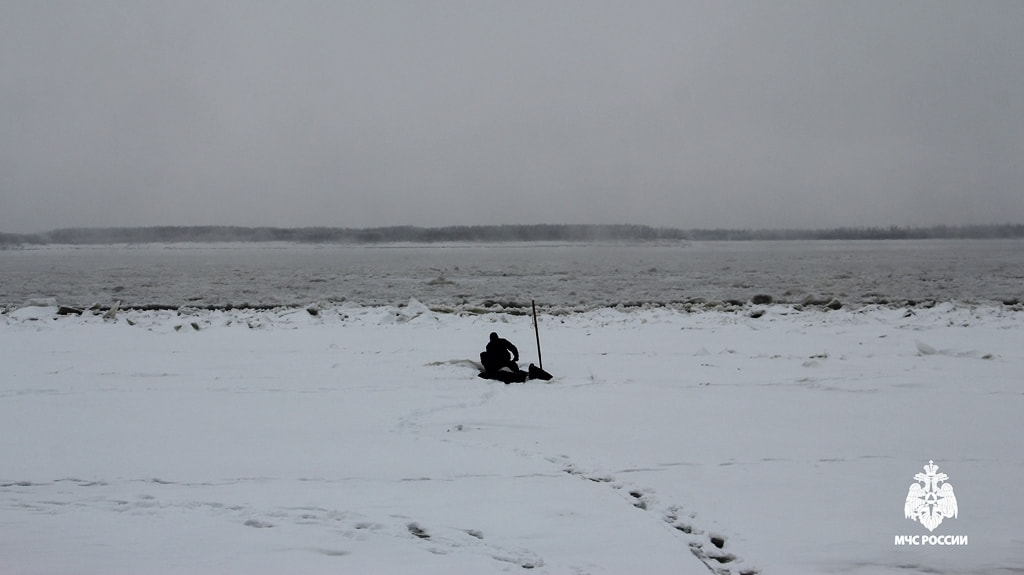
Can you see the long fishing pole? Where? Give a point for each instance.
(536, 331)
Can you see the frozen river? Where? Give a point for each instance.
(569, 277)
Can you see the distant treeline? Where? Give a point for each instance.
(506, 233)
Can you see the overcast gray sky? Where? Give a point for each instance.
(370, 113)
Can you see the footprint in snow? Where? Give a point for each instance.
(524, 558)
(418, 531)
(257, 524)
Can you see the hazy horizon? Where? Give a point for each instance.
(573, 233)
(739, 115)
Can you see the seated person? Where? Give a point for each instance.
(497, 355)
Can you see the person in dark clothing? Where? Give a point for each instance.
(496, 356)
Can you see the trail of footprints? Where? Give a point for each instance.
(708, 547)
(441, 541)
(351, 525)
(522, 558)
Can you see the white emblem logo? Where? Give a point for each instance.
(929, 502)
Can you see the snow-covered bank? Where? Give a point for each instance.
(359, 439)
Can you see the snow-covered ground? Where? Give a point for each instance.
(360, 440)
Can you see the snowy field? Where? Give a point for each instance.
(360, 440)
